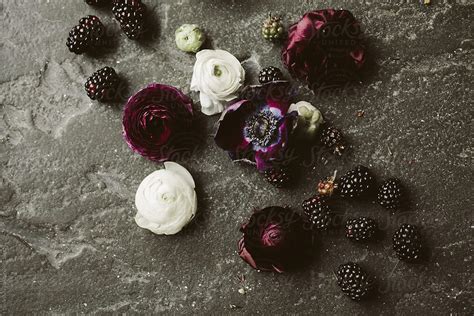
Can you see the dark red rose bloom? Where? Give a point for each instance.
(275, 239)
(157, 122)
(324, 47)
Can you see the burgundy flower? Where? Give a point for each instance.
(257, 128)
(275, 239)
(325, 46)
(157, 122)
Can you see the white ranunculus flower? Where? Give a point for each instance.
(309, 118)
(166, 200)
(217, 75)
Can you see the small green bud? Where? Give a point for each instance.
(189, 38)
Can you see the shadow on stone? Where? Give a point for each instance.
(152, 31)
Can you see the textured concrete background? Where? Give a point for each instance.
(69, 241)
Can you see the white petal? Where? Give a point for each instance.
(309, 118)
(180, 170)
(210, 106)
(216, 88)
(166, 200)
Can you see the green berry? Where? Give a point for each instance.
(273, 29)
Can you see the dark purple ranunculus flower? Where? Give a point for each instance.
(157, 121)
(275, 239)
(257, 128)
(325, 46)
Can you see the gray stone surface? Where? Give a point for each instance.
(69, 241)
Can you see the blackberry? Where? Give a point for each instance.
(103, 84)
(273, 29)
(361, 229)
(317, 212)
(97, 2)
(354, 281)
(270, 74)
(131, 16)
(356, 183)
(86, 35)
(279, 177)
(332, 138)
(390, 194)
(407, 243)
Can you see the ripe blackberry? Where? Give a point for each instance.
(390, 194)
(354, 281)
(86, 35)
(407, 243)
(131, 16)
(273, 29)
(279, 177)
(103, 84)
(97, 2)
(317, 212)
(361, 229)
(332, 138)
(356, 183)
(270, 74)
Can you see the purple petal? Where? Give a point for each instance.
(155, 121)
(244, 254)
(230, 132)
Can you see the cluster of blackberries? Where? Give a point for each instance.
(357, 283)
(89, 36)
(359, 183)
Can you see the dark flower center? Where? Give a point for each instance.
(153, 123)
(261, 128)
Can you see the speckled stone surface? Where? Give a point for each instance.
(69, 241)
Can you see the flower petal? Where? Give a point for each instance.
(217, 75)
(166, 200)
(155, 119)
(322, 40)
(244, 254)
(290, 244)
(230, 135)
(276, 92)
(181, 171)
(210, 106)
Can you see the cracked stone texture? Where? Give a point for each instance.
(69, 241)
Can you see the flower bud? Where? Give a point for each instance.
(309, 119)
(189, 38)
